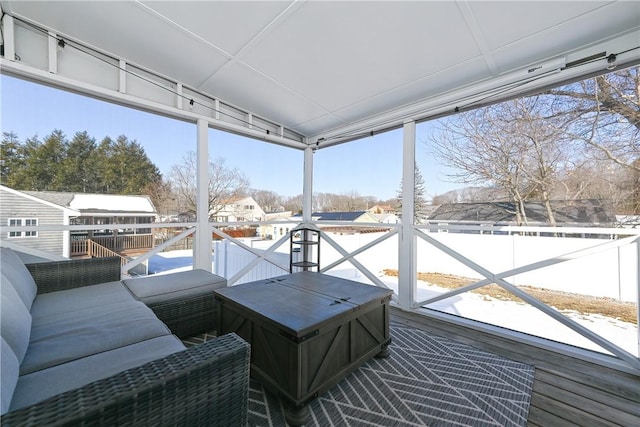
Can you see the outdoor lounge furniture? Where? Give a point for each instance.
(307, 331)
(78, 347)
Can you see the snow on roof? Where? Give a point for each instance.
(112, 203)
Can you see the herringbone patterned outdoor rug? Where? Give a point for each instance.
(427, 380)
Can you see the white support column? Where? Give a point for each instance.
(202, 240)
(122, 77)
(9, 38)
(307, 185)
(52, 44)
(407, 252)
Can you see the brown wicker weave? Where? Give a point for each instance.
(207, 384)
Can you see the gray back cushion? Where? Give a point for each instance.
(9, 368)
(14, 270)
(15, 320)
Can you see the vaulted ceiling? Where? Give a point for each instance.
(322, 68)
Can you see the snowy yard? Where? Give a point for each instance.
(509, 314)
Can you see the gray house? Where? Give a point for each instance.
(582, 213)
(45, 208)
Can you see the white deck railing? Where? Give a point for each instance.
(604, 265)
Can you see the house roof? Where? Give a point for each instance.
(333, 70)
(337, 216)
(107, 204)
(582, 212)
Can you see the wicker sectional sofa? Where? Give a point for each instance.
(79, 348)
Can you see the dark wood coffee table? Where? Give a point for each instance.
(307, 331)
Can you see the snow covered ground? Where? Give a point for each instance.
(509, 314)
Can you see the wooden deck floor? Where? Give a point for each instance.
(566, 391)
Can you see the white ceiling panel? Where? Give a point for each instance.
(346, 52)
(320, 67)
(218, 21)
(255, 92)
(435, 85)
(561, 39)
(522, 19)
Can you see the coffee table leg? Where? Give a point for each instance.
(385, 352)
(296, 416)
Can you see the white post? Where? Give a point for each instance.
(122, 76)
(307, 185)
(8, 38)
(53, 52)
(179, 96)
(407, 251)
(203, 238)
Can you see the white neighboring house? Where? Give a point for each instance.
(238, 209)
(40, 208)
(285, 223)
(387, 218)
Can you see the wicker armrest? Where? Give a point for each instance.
(207, 384)
(60, 275)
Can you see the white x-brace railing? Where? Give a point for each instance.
(489, 276)
(500, 281)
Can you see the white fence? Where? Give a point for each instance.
(612, 273)
(229, 259)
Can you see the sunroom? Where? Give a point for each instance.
(372, 84)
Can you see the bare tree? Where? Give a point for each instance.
(269, 201)
(606, 114)
(224, 183)
(480, 149)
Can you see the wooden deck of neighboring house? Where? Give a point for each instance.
(566, 390)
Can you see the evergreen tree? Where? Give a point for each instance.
(125, 167)
(82, 166)
(420, 213)
(41, 161)
(78, 171)
(10, 159)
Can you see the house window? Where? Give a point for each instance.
(20, 222)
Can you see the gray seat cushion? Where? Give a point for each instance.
(14, 270)
(15, 319)
(85, 297)
(40, 385)
(78, 333)
(161, 288)
(9, 370)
